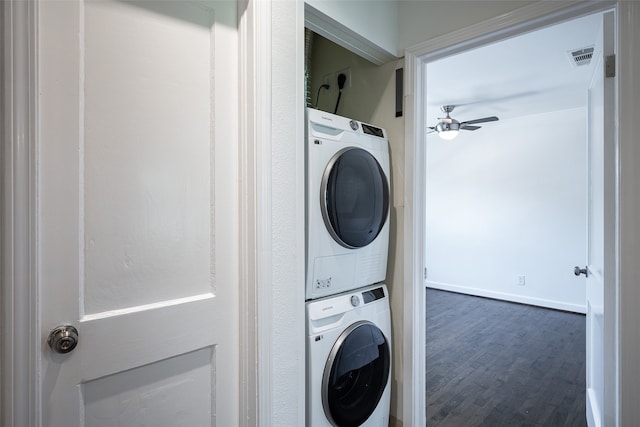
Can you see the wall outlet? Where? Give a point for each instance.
(347, 73)
(330, 79)
(521, 281)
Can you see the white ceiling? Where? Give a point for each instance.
(524, 75)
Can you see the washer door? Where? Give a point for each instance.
(354, 197)
(355, 375)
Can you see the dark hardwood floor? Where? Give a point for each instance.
(495, 363)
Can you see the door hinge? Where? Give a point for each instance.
(425, 273)
(610, 66)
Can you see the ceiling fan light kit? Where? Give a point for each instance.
(449, 128)
(448, 132)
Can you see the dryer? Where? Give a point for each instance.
(349, 359)
(347, 199)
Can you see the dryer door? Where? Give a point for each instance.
(355, 375)
(354, 197)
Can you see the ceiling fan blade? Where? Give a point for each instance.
(469, 127)
(431, 129)
(483, 120)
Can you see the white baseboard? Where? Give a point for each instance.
(522, 299)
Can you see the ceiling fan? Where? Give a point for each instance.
(448, 128)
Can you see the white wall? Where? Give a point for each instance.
(423, 20)
(510, 200)
(285, 200)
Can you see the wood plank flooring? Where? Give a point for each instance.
(495, 363)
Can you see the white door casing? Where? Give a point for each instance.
(600, 279)
(138, 212)
(19, 340)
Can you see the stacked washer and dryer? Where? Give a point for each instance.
(347, 309)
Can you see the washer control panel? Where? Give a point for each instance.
(321, 309)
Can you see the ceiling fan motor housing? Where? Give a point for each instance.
(444, 127)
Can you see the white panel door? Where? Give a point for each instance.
(138, 208)
(600, 242)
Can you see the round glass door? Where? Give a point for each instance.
(354, 197)
(355, 375)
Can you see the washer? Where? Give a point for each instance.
(347, 204)
(349, 359)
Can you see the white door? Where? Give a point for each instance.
(600, 242)
(138, 212)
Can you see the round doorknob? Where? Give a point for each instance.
(63, 339)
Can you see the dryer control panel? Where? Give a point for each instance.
(373, 295)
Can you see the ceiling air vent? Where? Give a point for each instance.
(581, 56)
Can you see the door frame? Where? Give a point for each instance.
(20, 341)
(619, 408)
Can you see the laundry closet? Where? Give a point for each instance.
(349, 211)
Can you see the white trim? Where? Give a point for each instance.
(248, 396)
(628, 202)
(610, 403)
(413, 325)
(299, 314)
(262, 140)
(254, 19)
(20, 340)
(594, 415)
(519, 21)
(331, 29)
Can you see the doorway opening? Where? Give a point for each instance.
(463, 173)
(506, 201)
